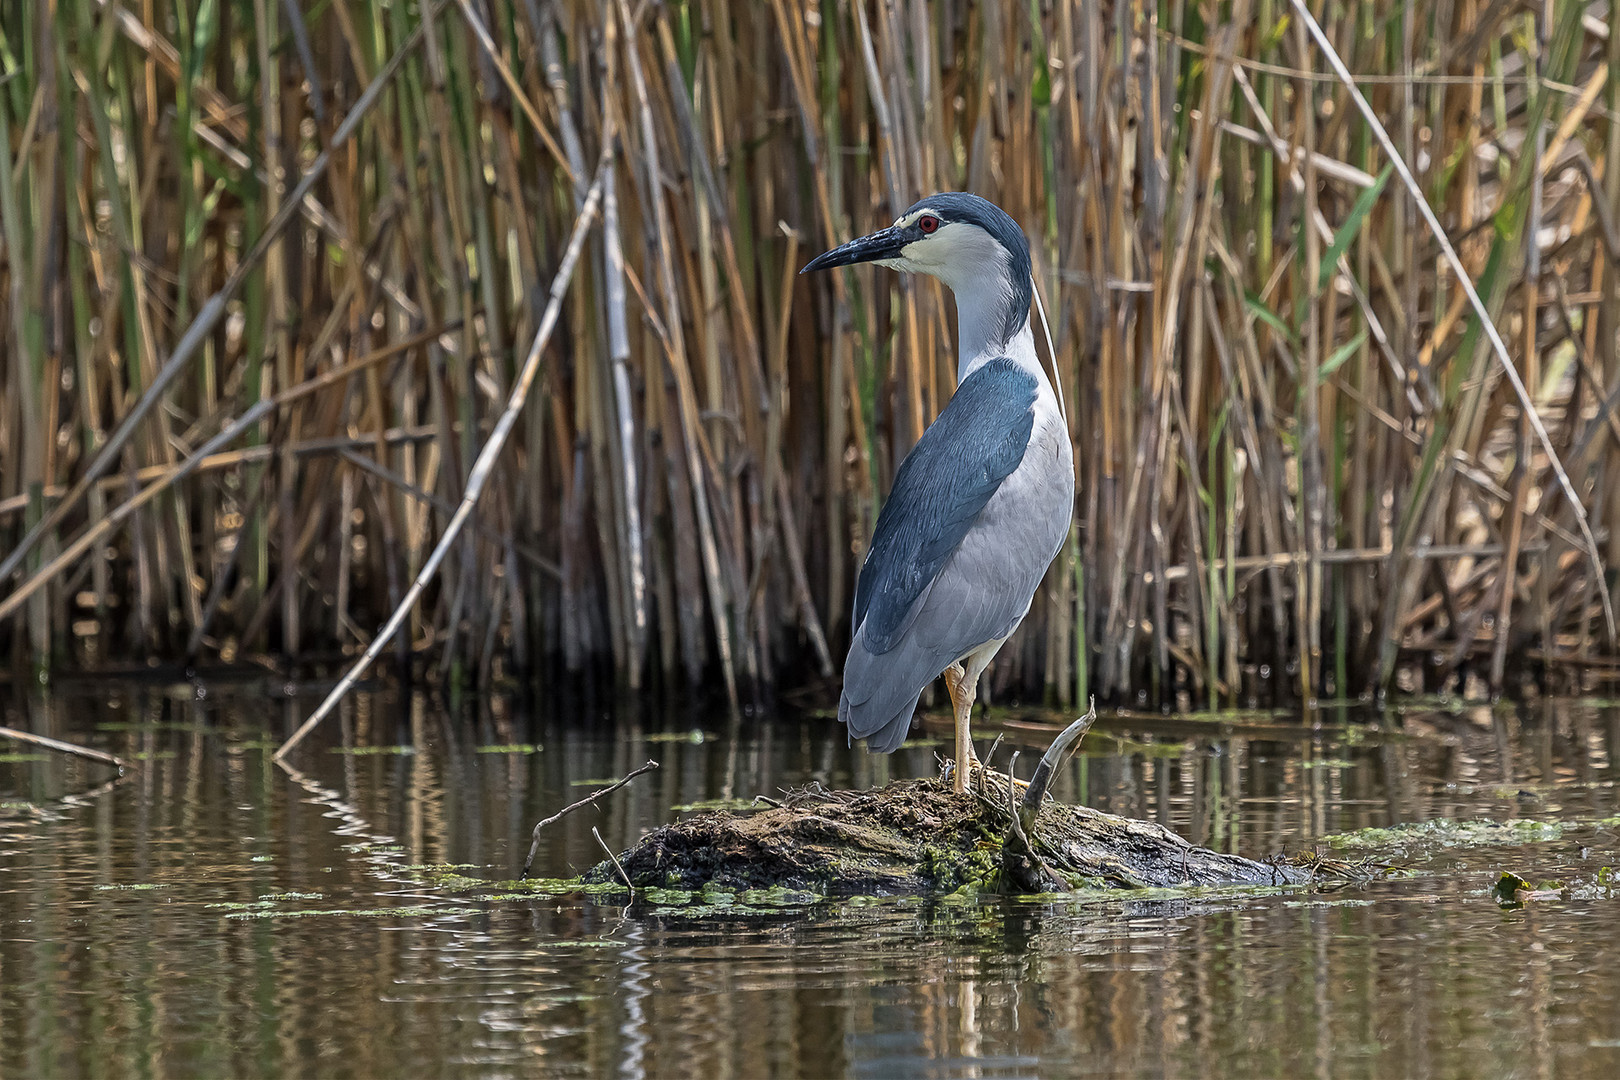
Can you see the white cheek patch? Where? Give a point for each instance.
(952, 242)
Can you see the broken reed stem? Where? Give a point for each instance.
(64, 747)
(1068, 739)
(1509, 370)
(534, 841)
(484, 465)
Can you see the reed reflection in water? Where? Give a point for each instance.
(117, 958)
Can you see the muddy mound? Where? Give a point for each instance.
(918, 837)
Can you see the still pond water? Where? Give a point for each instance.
(213, 914)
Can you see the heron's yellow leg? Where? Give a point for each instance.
(962, 695)
(953, 676)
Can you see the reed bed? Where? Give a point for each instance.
(270, 270)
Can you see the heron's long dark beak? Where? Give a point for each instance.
(880, 245)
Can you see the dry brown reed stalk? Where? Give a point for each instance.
(1304, 470)
(86, 752)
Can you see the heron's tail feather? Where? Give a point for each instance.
(883, 733)
(881, 689)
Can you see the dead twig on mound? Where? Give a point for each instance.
(64, 747)
(1020, 862)
(534, 842)
(1022, 867)
(991, 755)
(1069, 738)
(1016, 822)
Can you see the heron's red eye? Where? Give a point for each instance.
(928, 223)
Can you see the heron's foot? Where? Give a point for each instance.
(963, 779)
(979, 777)
(984, 778)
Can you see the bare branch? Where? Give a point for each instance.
(534, 842)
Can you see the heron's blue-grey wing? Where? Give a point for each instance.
(943, 484)
(954, 559)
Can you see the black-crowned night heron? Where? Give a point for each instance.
(980, 506)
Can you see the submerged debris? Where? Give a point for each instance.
(1513, 891)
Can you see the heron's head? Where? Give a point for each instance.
(948, 235)
(969, 243)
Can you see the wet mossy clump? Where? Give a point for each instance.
(918, 837)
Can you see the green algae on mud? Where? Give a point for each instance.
(1447, 833)
(371, 751)
(419, 911)
(450, 878)
(713, 900)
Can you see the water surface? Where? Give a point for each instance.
(211, 913)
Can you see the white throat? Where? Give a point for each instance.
(982, 318)
(982, 323)
(1020, 349)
